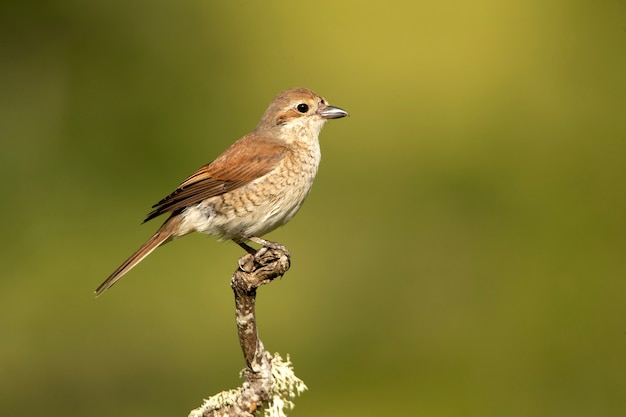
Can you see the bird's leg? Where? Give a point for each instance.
(268, 244)
(265, 243)
(245, 247)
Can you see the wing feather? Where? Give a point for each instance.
(249, 158)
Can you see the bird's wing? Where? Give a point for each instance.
(246, 160)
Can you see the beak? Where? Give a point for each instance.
(332, 112)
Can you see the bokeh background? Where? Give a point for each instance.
(463, 252)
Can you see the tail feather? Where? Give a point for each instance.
(163, 235)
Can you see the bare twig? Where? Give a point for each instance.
(269, 381)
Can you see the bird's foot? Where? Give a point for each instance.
(265, 258)
(269, 244)
(265, 243)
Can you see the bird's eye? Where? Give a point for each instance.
(302, 108)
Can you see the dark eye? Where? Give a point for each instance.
(302, 108)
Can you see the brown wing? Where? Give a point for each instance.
(247, 159)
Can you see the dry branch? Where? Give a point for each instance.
(269, 382)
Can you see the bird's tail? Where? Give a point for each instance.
(163, 235)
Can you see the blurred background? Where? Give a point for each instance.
(462, 252)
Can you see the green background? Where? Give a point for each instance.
(463, 252)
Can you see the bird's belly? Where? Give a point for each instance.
(252, 210)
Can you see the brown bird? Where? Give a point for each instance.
(255, 186)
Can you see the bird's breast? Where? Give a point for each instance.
(262, 205)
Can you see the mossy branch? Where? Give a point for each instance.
(269, 382)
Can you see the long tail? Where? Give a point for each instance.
(163, 235)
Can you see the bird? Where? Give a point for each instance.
(255, 186)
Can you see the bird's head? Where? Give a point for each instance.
(297, 112)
